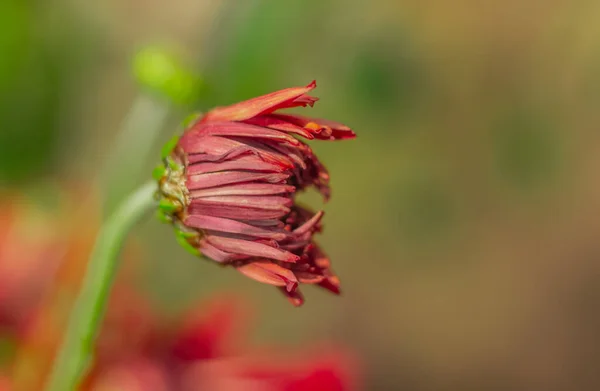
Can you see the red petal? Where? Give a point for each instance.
(235, 212)
(232, 226)
(269, 121)
(294, 296)
(247, 247)
(310, 224)
(249, 163)
(252, 202)
(321, 128)
(210, 251)
(332, 284)
(270, 273)
(309, 278)
(240, 129)
(289, 97)
(244, 189)
(213, 179)
(218, 149)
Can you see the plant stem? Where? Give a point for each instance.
(126, 162)
(76, 351)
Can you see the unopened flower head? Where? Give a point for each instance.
(228, 185)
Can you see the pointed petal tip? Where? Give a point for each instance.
(295, 296)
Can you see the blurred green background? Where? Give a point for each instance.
(464, 219)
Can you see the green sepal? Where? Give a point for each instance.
(159, 172)
(168, 206)
(169, 147)
(190, 119)
(163, 217)
(182, 237)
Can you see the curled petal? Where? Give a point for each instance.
(270, 273)
(308, 277)
(272, 122)
(294, 296)
(289, 97)
(321, 128)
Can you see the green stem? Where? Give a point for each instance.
(126, 162)
(76, 351)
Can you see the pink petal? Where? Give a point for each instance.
(232, 226)
(211, 145)
(247, 247)
(310, 224)
(256, 202)
(218, 149)
(244, 189)
(213, 179)
(210, 251)
(235, 212)
(270, 273)
(245, 163)
(289, 97)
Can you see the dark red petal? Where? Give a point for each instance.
(321, 128)
(294, 296)
(252, 248)
(270, 273)
(289, 97)
(204, 181)
(332, 284)
(269, 121)
(308, 277)
(240, 129)
(244, 189)
(232, 226)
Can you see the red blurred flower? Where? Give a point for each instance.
(30, 251)
(229, 186)
(204, 353)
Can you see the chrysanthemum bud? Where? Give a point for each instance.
(229, 183)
